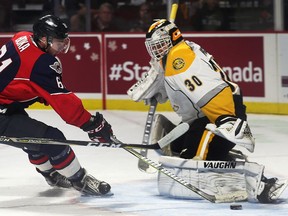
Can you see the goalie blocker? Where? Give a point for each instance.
(243, 179)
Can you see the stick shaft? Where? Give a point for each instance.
(147, 132)
(171, 175)
(21, 142)
(173, 12)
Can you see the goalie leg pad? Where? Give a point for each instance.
(253, 175)
(219, 178)
(238, 180)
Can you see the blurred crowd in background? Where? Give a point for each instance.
(137, 15)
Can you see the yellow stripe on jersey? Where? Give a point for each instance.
(203, 147)
(179, 59)
(221, 104)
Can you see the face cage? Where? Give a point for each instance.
(60, 46)
(157, 49)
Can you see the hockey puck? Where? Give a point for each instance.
(236, 207)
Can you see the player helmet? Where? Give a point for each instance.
(52, 27)
(161, 37)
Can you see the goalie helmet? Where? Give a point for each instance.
(161, 37)
(52, 27)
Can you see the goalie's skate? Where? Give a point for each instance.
(89, 185)
(273, 188)
(55, 179)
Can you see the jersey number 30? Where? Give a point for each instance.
(191, 83)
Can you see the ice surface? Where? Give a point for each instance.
(24, 192)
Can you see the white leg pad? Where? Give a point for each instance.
(253, 174)
(213, 177)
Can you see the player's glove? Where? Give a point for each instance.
(233, 129)
(98, 128)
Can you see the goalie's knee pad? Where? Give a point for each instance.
(161, 127)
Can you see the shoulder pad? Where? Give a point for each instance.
(179, 59)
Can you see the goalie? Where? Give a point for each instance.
(203, 96)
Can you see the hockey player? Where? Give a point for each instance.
(203, 96)
(29, 73)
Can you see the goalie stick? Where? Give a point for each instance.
(146, 136)
(147, 131)
(230, 197)
(173, 12)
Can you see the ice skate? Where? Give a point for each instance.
(273, 188)
(89, 185)
(55, 179)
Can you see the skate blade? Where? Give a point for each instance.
(109, 194)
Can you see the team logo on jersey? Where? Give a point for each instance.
(56, 67)
(178, 63)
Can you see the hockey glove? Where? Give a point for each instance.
(233, 129)
(98, 128)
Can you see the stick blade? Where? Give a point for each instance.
(178, 131)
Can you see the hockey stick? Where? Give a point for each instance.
(147, 131)
(173, 12)
(146, 137)
(231, 197)
(173, 134)
(24, 141)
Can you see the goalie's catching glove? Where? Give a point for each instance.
(233, 129)
(98, 128)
